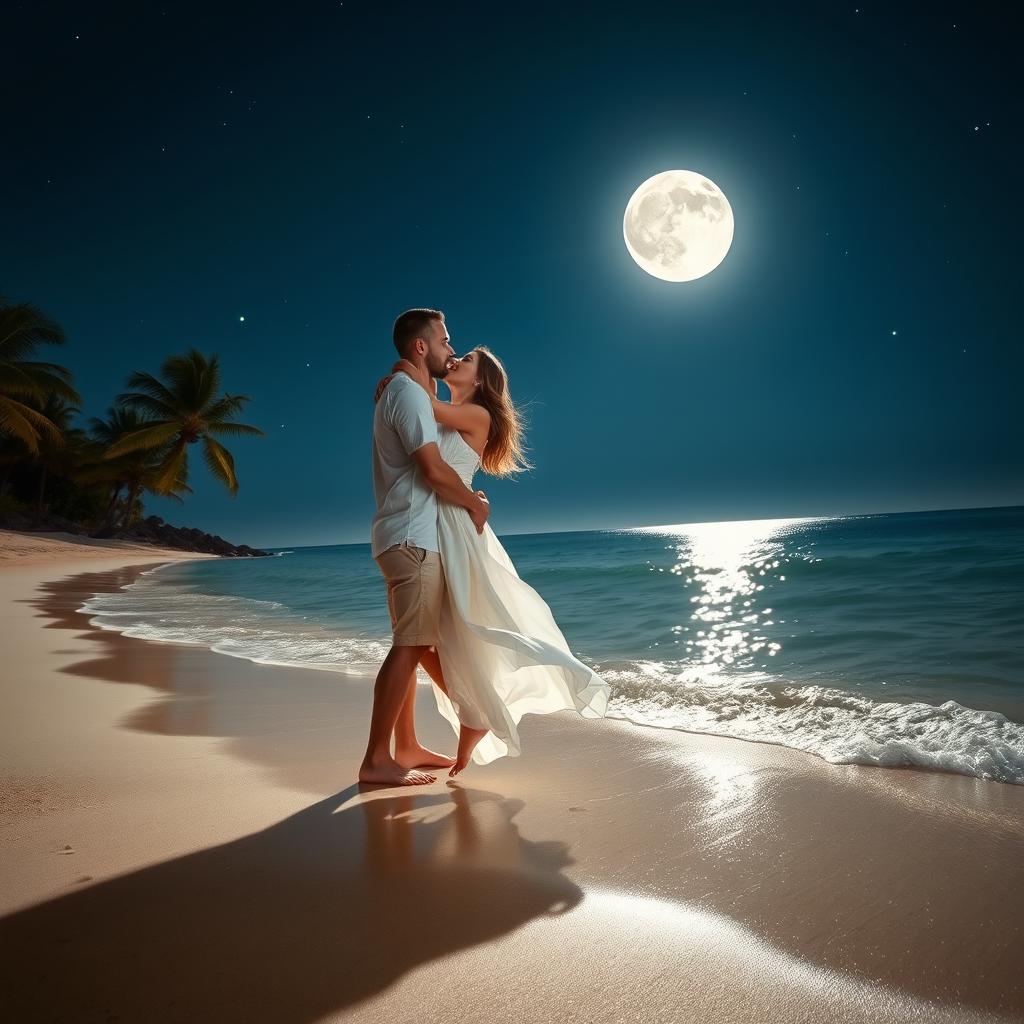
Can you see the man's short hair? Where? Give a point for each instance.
(413, 324)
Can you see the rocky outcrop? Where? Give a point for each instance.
(153, 530)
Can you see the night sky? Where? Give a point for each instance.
(316, 168)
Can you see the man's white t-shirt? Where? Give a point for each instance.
(406, 506)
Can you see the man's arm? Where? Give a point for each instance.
(447, 484)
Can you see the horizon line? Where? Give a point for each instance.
(657, 526)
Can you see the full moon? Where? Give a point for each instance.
(678, 226)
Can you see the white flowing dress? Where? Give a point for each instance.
(502, 653)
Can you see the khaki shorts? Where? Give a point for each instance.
(415, 592)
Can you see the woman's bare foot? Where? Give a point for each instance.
(416, 756)
(390, 773)
(468, 739)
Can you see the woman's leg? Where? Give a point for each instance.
(411, 750)
(432, 666)
(468, 738)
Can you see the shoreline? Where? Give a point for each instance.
(832, 892)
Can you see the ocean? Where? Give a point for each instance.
(893, 639)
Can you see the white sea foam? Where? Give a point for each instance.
(256, 630)
(839, 726)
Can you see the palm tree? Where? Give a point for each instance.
(134, 472)
(23, 328)
(182, 412)
(56, 455)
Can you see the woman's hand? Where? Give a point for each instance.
(401, 366)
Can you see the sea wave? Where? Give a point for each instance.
(839, 726)
(256, 630)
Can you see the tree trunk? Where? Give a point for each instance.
(40, 494)
(109, 511)
(133, 493)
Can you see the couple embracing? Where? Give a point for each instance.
(457, 605)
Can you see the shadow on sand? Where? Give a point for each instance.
(318, 912)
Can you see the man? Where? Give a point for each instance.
(409, 476)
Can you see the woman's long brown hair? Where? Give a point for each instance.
(505, 451)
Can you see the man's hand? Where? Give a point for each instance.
(381, 385)
(481, 512)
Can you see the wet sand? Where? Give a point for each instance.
(183, 840)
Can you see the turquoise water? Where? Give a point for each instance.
(886, 639)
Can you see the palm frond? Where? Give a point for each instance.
(15, 381)
(27, 424)
(153, 436)
(51, 368)
(23, 328)
(221, 463)
(233, 429)
(50, 384)
(120, 420)
(146, 404)
(193, 377)
(146, 382)
(225, 407)
(174, 470)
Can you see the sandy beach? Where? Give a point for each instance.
(182, 840)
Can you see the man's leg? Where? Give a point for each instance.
(394, 680)
(415, 586)
(468, 736)
(409, 752)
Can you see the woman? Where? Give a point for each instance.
(501, 655)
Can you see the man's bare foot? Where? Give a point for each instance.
(468, 739)
(417, 756)
(391, 773)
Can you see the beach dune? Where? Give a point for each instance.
(182, 841)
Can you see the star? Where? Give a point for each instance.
(894, 334)
(241, 319)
